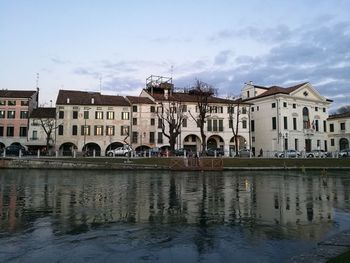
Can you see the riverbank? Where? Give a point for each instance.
(164, 163)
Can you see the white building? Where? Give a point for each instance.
(287, 118)
(339, 131)
(91, 122)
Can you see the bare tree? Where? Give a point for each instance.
(234, 112)
(202, 93)
(172, 114)
(49, 125)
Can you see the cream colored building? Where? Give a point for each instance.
(287, 118)
(217, 127)
(339, 131)
(91, 122)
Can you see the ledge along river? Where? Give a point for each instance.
(160, 216)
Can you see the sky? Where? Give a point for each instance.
(113, 46)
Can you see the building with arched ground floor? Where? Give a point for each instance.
(339, 131)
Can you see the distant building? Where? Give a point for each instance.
(41, 119)
(287, 118)
(339, 131)
(15, 108)
(91, 122)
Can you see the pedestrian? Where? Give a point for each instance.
(261, 153)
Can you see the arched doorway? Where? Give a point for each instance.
(142, 150)
(90, 148)
(215, 141)
(343, 144)
(67, 148)
(113, 146)
(2, 146)
(192, 142)
(242, 143)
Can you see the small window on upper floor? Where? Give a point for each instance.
(294, 106)
(285, 104)
(11, 102)
(273, 105)
(134, 108)
(316, 108)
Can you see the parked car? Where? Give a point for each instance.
(344, 153)
(211, 152)
(120, 151)
(316, 154)
(288, 154)
(14, 149)
(245, 153)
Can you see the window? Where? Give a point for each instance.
(134, 108)
(61, 114)
(2, 102)
(285, 104)
(151, 137)
(316, 108)
(285, 123)
(75, 114)
(198, 123)
(324, 126)
(74, 130)
(342, 126)
(325, 146)
(2, 114)
(220, 109)
(85, 129)
(98, 115)
(244, 124)
(110, 115)
(253, 138)
(153, 109)
(209, 125)
(257, 108)
(230, 124)
(160, 137)
(331, 127)
(318, 143)
(230, 109)
(273, 105)
(221, 125)
(1, 131)
(184, 123)
(134, 121)
(98, 130)
(24, 115)
(306, 120)
(316, 125)
(86, 115)
(332, 142)
(252, 125)
(24, 103)
(324, 109)
(60, 130)
(160, 123)
(215, 125)
(294, 106)
(296, 144)
(295, 124)
(273, 123)
(34, 135)
(252, 109)
(125, 115)
(110, 130)
(247, 93)
(244, 110)
(153, 122)
(11, 103)
(134, 137)
(124, 130)
(10, 131)
(23, 131)
(184, 108)
(11, 114)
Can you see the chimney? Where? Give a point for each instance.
(68, 100)
(166, 94)
(92, 101)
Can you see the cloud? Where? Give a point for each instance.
(223, 57)
(59, 61)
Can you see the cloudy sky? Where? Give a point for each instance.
(115, 45)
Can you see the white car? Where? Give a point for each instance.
(288, 154)
(316, 154)
(344, 153)
(120, 151)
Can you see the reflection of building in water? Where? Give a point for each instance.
(191, 198)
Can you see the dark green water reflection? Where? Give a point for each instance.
(81, 216)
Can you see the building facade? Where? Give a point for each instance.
(339, 131)
(15, 108)
(287, 118)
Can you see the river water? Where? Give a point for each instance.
(157, 216)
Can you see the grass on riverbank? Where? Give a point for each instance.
(228, 162)
(343, 258)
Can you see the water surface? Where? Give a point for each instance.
(89, 216)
